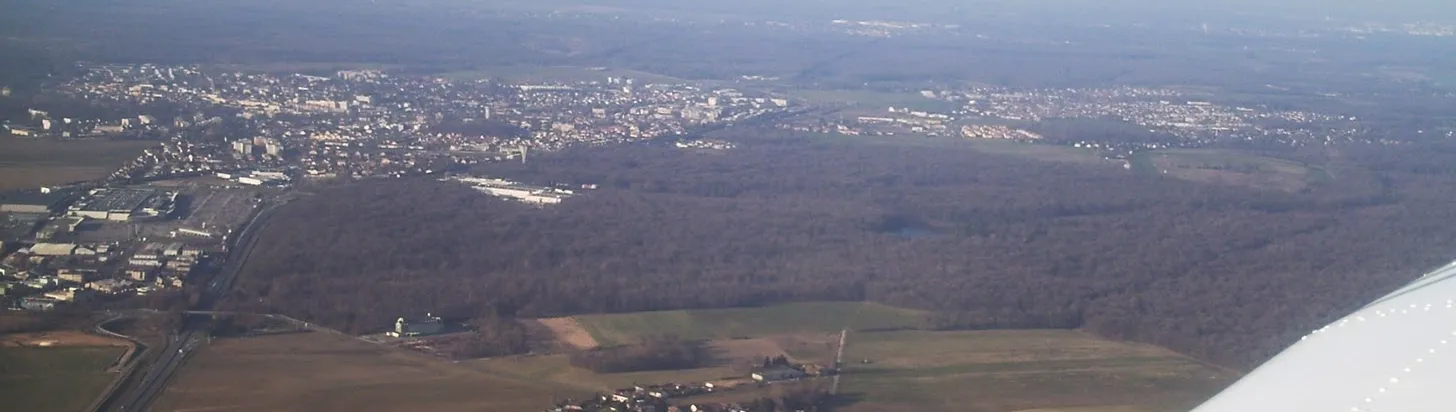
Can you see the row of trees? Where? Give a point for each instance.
(1223, 273)
(494, 336)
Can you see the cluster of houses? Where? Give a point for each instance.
(47, 275)
(639, 399)
(654, 398)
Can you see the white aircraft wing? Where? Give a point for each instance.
(1397, 354)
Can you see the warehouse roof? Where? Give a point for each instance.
(52, 249)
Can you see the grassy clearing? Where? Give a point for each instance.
(324, 372)
(1228, 167)
(1019, 370)
(570, 74)
(28, 163)
(869, 98)
(1045, 152)
(1034, 151)
(557, 369)
(797, 318)
(990, 371)
(54, 379)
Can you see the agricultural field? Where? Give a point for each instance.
(718, 324)
(1226, 167)
(1021, 371)
(325, 372)
(55, 378)
(30, 163)
(557, 370)
(890, 366)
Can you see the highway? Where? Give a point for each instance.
(192, 333)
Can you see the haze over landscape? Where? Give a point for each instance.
(754, 206)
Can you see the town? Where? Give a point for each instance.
(230, 143)
(1170, 119)
(366, 123)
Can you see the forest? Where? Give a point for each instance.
(1226, 274)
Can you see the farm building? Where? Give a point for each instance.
(428, 325)
(782, 373)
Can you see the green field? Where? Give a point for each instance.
(1229, 167)
(569, 74)
(557, 369)
(1045, 152)
(54, 379)
(873, 99)
(1001, 371)
(1034, 151)
(797, 318)
(978, 371)
(327, 372)
(29, 163)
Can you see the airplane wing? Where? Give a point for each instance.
(1397, 354)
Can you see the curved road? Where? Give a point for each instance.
(191, 336)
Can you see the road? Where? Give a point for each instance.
(193, 334)
(839, 361)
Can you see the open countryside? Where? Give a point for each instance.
(709, 324)
(28, 163)
(31, 376)
(319, 371)
(1232, 168)
(998, 371)
(890, 367)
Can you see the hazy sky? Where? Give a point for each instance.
(1360, 10)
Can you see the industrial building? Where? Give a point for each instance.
(125, 204)
(52, 249)
(512, 190)
(38, 201)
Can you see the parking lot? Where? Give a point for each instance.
(206, 208)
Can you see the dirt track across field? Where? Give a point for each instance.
(569, 332)
(59, 338)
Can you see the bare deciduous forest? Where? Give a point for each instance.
(1223, 273)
